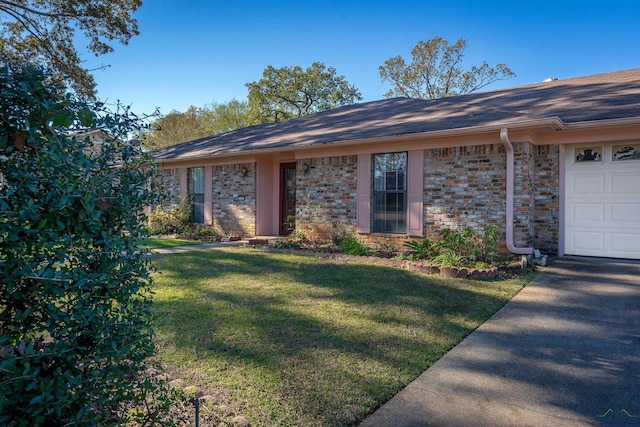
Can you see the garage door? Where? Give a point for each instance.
(602, 205)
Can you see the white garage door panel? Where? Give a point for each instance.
(627, 183)
(602, 203)
(625, 243)
(588, 241)
(591, 212)
(588, 184)
(625, 213)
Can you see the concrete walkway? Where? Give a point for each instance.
(564, 352)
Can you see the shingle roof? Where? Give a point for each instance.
(597, 97)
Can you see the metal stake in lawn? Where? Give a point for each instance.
(196, 403)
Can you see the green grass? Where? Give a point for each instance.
(302, 341)
(158, 242)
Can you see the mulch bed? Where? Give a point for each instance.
(509, 270)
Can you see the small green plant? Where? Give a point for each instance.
(201, 231)
(458, 248)
(421, 250)
(460, 242)
(489, 247)
(287, 244)
(352, 246)
(448, 258)
(296, 241)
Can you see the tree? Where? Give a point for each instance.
(42, 32)
(225, 117)
(74, 281)
(177, 127)
(288, 92)
(436, 71)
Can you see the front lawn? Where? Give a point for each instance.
(296, 340)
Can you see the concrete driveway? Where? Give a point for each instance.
(564, 352)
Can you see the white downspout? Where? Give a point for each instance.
(504, 137)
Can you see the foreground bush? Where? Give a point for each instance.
(74, 282)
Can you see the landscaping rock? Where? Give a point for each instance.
(209, 399)
(163, 377)
(449, 271)
(241, 421)
(190, 390)
(475, 274)
(177, 383)
(226, 410)
(462, 273)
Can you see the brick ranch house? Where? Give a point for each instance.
(556, 165)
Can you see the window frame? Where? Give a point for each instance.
(384, 191)
(196, 198)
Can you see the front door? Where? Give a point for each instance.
(287, 198)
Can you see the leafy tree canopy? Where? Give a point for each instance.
(436, 71)
(177, 127)
(42, 32)
(225, 117)
(288, 92)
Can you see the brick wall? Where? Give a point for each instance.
(464, 187)
(326, 194)
(170, 185)
(547, 198)
(234, 199)
(523, 194)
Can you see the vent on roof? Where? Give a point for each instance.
(549, 79)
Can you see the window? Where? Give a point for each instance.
(588, 154)
(390, 192)
(626, 152)
(196, 194)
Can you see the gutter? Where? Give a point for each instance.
(504, 137)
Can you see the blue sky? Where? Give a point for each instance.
(194, 52)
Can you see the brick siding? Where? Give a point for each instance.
(234, 199)
(464, 187)
(547, 198)
(326, 194)
(170, 185)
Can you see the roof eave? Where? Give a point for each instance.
(554, 123)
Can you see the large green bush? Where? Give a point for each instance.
(171, 221)
(74, 282)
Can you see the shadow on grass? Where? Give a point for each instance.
(306, 341)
